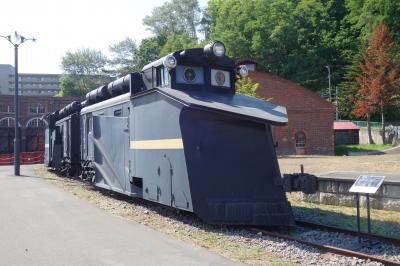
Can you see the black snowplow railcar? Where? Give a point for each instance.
(178, 134)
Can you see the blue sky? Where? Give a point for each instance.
(66, 25)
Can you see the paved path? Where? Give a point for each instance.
(40, 224)
(394, 150)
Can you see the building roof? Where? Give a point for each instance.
(288, 93)
(246, 61)
(345, 125)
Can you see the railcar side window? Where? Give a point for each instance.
(118, 112)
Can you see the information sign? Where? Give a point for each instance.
(367, 184)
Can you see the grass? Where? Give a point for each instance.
(341, 150)
(383, 222)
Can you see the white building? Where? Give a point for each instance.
(29, 84)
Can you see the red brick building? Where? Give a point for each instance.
(311, 117)
(31, 110)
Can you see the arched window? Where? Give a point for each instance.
(300, 140)
(36, 123)
(7, 122)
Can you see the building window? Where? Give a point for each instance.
(6, 108)
(36, 123)
(36, 109)
(300, 140)
(7, 122)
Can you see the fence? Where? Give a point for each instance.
(25, 158)
(364, 123)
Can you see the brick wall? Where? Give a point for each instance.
(32, 139)
(308, 114)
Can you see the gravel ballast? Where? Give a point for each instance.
(235, 243)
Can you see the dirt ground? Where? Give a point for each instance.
(321, 164)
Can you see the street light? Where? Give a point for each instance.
(16, 40)
(329, 80)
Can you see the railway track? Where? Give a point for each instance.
(385, 239)
(334, 249)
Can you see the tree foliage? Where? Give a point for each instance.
(69, 87)
(247, 86)
(178, 42)
(149, 50)
(84, 70)
(124, 57)
(294, 39)
(174, 17)
(380, 77)
(297, 39)
(84, 61)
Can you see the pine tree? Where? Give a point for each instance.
(379, 80)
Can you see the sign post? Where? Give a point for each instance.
(365, 184)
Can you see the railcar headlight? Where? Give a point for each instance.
(243, 71)
(218, 49)
(170, 61)
(214, 49)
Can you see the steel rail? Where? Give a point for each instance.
(328, 248)
(386, 239)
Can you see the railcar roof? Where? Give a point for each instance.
(107, 103)
(194, 56)
(237, 104)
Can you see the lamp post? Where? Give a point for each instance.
(16, 40)
(329, 80)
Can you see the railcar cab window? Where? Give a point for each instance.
(164, 78)
(220, 78)
(189, 75)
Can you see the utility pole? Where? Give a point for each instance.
(329, 80)
(337, 104)
(16, 40)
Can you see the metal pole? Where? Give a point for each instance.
(369, 219)
(358, 217)
(17, 139)
(337, 104)
(17, 136)
(329, 81)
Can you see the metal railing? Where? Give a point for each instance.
(364, 123)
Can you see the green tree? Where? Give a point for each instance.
(174, 17)
(68, 87)
(149, 50)
(124, 57)
(294, 39)
(85, 69)
(361, 17)
(365, 15)
(247, 86)
(178, 42)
